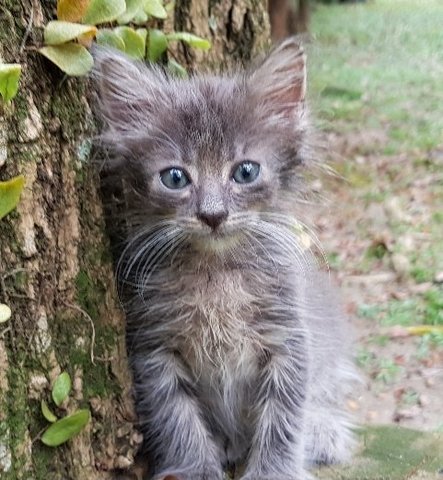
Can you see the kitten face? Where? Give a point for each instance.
(207, 172)
(209, 153)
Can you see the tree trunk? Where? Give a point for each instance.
(303, 16)
(56, 274)
(238, 30)
(55, 262)
(289, 17)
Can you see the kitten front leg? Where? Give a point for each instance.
(277, 450)
(177, 440)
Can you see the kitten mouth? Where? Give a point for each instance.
(219, 234)
(217, 241)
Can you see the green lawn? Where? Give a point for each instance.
(380, 65)
(376, 75)
(392, 453)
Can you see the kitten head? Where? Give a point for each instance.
(206, 155)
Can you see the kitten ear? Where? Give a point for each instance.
(280, 81)
(127, 90)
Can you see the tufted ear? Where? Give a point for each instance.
(128, 91)
(280, 81)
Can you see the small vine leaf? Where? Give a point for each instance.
(155, 8)
(190, 39)
(62, 387)
(102, 11)
(135, 44)
(72, 10)
(72, 58)
(5, 313)
(108, 38)
(50, 417)
(9, 80)
(177, 69)
(10, 192)
(157, 44)
(58, 32)
(143, 32)
(133, 7)
(63, 430)
(140, 18)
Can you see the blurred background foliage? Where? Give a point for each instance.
(376, 91)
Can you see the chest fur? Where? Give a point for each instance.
(209, 318)
(220, 344)
(219, 312)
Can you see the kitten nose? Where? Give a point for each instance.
(213, 219)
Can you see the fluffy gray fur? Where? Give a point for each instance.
(233, 335)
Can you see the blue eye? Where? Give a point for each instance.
(246, 172)
(174, 178)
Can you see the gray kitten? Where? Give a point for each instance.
(233, 335)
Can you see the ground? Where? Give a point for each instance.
(376, 73)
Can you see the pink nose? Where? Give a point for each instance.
(214, 220)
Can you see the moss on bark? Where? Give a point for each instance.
(55, 267)
(56, 235)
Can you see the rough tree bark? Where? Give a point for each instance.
(55, 265)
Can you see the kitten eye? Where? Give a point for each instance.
(246, 172)
(174, 178)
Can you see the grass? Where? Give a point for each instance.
(381, 369)
(427, 261)
(427, 310)
(379, 65)
(420, 310)
(376, 71)
(391, 453)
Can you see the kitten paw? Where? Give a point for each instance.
(205, 474)
(304, 475)
(329, 442)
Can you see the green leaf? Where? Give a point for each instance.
(10, 192)
(102, 11)
(50, 417)
(133, 8)
(57, 32)
(135, 44)
(61, 388)
(177, 69)
(9, 79)
(190, 39)
(155, 8)
(5, 313)
(157, 44)
(140, 18)
(169, 7)
(143, 32)
(72, 58)
(62, 430)
(109, 38)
